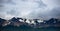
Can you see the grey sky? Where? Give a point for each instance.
(30, 8)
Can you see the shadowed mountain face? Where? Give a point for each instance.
(2, 21)
(52, 21)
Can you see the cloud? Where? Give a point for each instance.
(55, 11)
(52, 3)
(29, 8)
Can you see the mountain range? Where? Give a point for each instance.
(30, 22)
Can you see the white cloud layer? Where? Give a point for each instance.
(29, 8)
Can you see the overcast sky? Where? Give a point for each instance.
(45, 9)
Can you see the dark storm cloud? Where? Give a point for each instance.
(41, 4)
(12, 12)
(24, 0)
(55, 11)
(7, 2)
